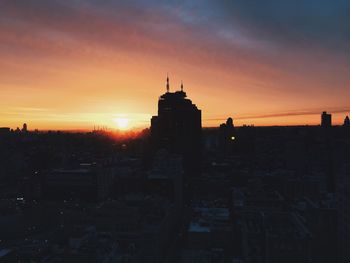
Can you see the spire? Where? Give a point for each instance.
(167, 83)
(182, 86)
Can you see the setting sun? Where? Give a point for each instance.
(122, 123)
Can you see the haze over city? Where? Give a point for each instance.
(76, 64)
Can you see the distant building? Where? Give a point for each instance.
(274, 237)
(145, 227)
(178, 128)
(343, 214)
(326, 119)
(227, 136)
(4, 130)
(86, 182)
(165, 177)
(24, 128)
(346, 122)
(209, 229)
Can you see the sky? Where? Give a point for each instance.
(76, 64)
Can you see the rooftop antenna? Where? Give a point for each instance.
(182, 86)
(167, 83)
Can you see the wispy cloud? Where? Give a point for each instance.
(285, 114)
(248, 54)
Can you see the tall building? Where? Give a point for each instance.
(178, 128)
(346, 122)
(326, 119)
(25, 127)
(227, 136)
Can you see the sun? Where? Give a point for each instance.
(122, 123)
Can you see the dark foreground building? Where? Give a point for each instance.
(178, 129)
(326, 119)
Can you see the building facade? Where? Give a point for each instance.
(178, 128)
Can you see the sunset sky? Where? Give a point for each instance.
(73, 64)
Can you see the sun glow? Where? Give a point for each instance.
(122, 123)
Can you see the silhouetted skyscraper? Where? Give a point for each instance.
(227, 136)
(24, 128)
(326, 119)
(346, 122)
(178, 128)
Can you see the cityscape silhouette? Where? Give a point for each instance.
(105, 158)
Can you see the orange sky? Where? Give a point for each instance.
(69, 65)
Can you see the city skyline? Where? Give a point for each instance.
(73, 65)
(175, 131)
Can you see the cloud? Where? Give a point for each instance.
(286, 114)
(228, 29)
(316, 23)
(71, 29)
(248, 52)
